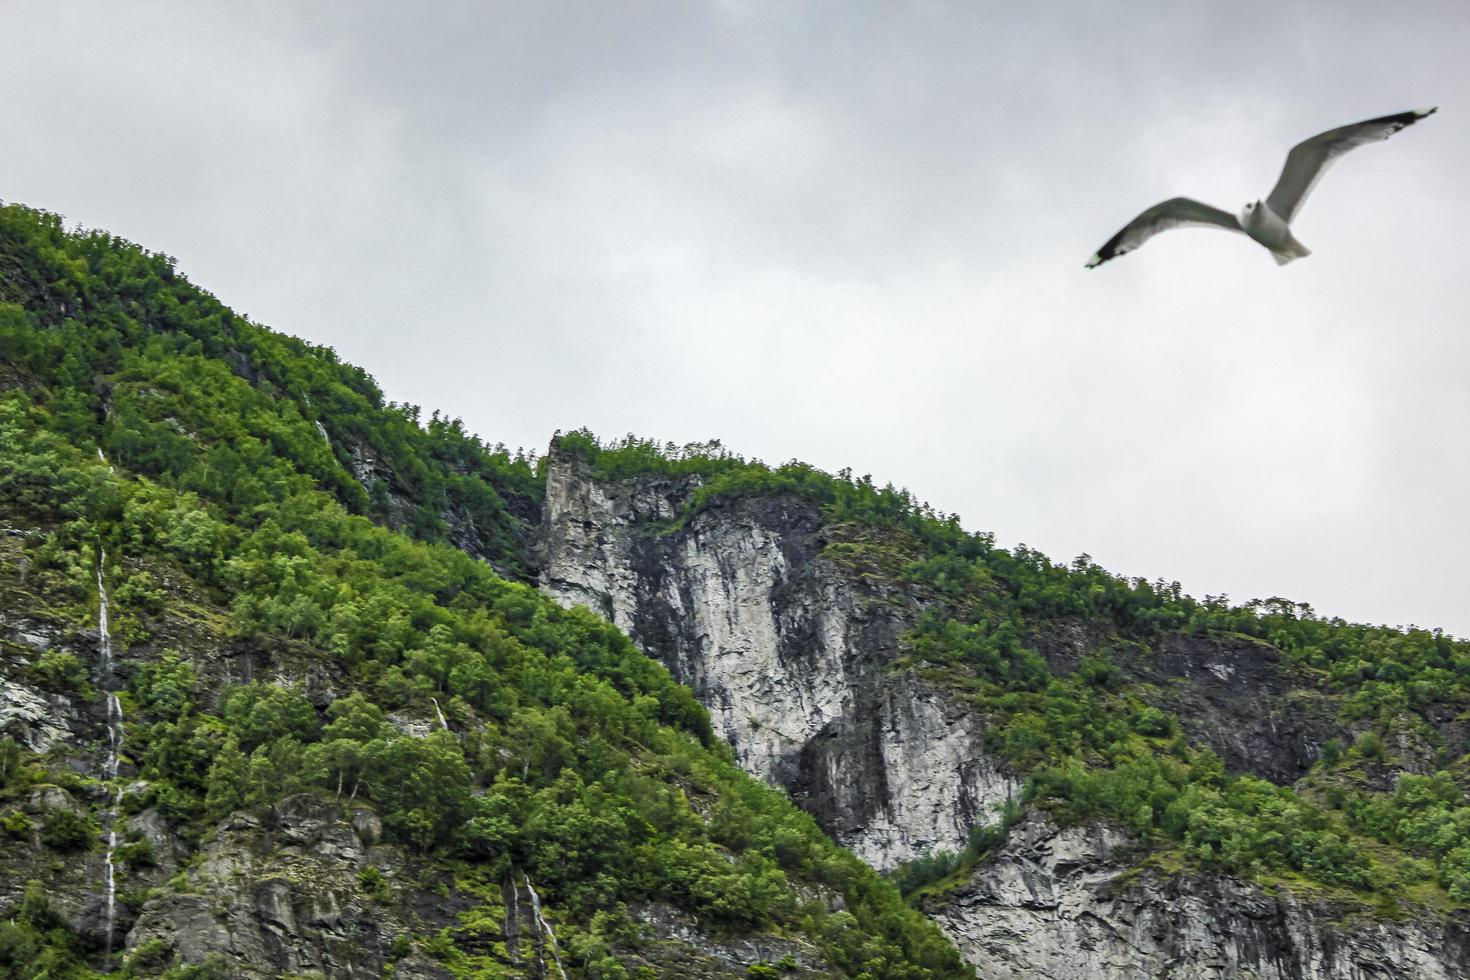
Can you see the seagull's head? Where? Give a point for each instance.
(1249, 211)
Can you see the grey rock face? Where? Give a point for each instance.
(1276, 731)
(1234, 694)
(680, 932)
(1071, 905)
(787, 651)
(34, 718)
(793, 654)
(400, 503)
(278, 899)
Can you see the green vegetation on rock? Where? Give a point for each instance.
(305, 579)
(1091, 742)
(233, 529)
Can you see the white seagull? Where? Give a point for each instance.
(1268, 222)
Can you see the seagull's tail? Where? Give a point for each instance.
(1291, 251)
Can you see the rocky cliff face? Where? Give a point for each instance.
(795, 654)
(1073, 905)
(283, 895)
(790, 653)
(1233, 694)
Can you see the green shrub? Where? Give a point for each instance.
(140, 592)
(375, 883)
(61, 670)
(16, 825)
(68, 830)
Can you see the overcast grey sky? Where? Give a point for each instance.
(847, 233)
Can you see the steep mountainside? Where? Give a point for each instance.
(278, 698)
(908, 684)
(789, 652)
(273, 704)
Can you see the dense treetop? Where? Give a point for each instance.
(130, 356)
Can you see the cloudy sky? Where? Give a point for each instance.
(847, 233)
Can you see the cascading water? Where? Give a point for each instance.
(104, 638)
(114, 735)
(114, 742)
(543, 926)
(442, 723)
(513, 921)
(321, 429)
(111, 880)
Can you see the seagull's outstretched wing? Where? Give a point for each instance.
(1309, 159)
(1168, 214)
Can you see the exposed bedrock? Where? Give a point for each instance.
(789, 652)
(796, 656)
(1073, 905)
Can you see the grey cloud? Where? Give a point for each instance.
(849, 233)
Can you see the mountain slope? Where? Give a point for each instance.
(269, 708)
(1298, 782)
(277, 698)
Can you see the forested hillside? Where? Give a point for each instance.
(269, 713)
(1380, 812)
(278, 696)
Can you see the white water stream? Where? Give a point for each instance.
(442, 723)
(321, 429)
(543, 925)
(514, 920)
(111, 881)
(114, 740)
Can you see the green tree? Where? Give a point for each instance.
(259, 712)
(228, 780)
(422, 786)
(67, 830)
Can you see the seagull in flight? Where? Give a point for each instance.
(1268, 221)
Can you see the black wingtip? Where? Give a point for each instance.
(1413, 115)
(1109, 251)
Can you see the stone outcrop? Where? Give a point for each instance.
(35, 718)
(1073, 905)
(282, 895)
(676, 944)
(1277, 732)
(795, 655)
(791, 654)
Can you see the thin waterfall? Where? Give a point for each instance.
(442, 723)
(543, 926)
(115, 735)
(321, 429)
(513, 921)
(104, 642)
(110, 869)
